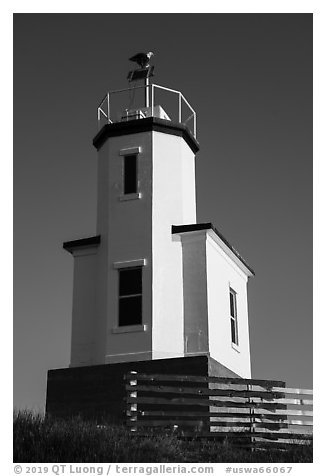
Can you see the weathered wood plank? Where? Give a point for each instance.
(254, 419)
(299, 391)
(300, 422)
(254, 396)
(286, 423)
(259, 388)
(204, 402)
(206, 391)
(148, 423)
(207, 415)
(195, 378)
(290, 412)
(259, 413)
(287, 401)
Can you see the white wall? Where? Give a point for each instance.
(223, 273)
(188, 177)
(195, 293)
(84, 303)
(141, 229)
(173, 204)
(125, 228)
(208, 273)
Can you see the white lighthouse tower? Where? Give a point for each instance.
(153, 283)
(154, 291)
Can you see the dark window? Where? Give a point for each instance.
(233, 333)
(234, 317)
(130, 296)
(130, 174)
(232, 304)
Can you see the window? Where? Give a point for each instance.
(130, 174)
(130, 296)
(233, 317)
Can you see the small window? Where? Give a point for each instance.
(130, 174)
(233, 317)
(130, 296)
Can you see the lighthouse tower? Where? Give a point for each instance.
(152, 286)
(128, 288)
(153, 283)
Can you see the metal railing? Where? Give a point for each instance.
(109, 113)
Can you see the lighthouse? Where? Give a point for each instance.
(153, 288)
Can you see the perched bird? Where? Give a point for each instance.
(142, 59)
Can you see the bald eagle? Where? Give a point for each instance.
(142, 59)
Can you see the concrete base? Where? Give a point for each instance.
(98, 392)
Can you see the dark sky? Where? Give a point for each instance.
(249, 78)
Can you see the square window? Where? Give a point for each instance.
(130, 296)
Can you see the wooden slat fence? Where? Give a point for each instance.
(248, 412)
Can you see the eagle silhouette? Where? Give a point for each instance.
(142, 59)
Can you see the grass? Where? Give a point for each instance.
(45, 440)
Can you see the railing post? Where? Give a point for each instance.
(251, 419)
(108, 99)
(132, 394)
(147, 92)
(152, 100)
(180, 105)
